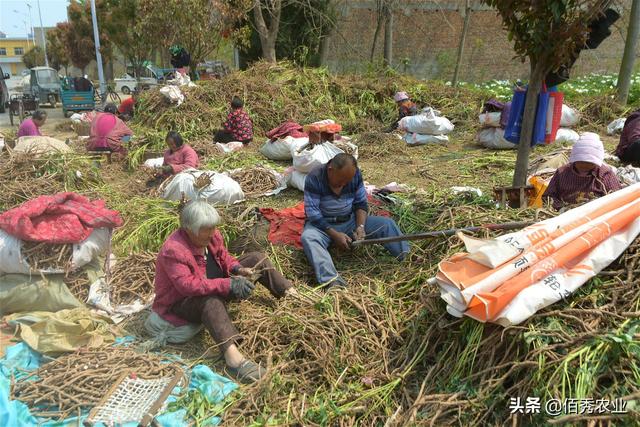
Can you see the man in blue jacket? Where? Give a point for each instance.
(336, 209)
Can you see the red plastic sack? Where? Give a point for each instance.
(554, 115)
(59, 219)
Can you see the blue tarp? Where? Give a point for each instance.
(20, 357)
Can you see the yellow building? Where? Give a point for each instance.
(11, 51)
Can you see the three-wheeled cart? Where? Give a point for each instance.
(21, 106)
(77, 95)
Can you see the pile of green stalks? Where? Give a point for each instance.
(274, 94)
(26, 176)
(385, 350)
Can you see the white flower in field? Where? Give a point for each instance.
(615, 82)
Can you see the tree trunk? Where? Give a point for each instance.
(463, 38)
(324, 50)
(528, 121)
(388, 36)
(626, 68)
(377, 32)
(268, 35)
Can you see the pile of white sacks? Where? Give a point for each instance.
(305, 157)
(491, 134)
(428, 127)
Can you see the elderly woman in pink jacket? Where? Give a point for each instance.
(196, 277)
(179, 156)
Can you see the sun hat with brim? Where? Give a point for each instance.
(400, 96)
(588, 148)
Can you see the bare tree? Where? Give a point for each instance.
(626, 68)
(388, 33)
(268, 33)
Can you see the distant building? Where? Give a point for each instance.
(37, 32)
(11, 51)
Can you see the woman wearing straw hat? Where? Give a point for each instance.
(405, 108)
(585, 177)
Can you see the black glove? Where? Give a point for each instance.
(241, 288)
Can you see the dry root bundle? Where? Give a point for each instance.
(132, 278)
(205, 148)
(375, 145)
(349, 149)
(78, 381)
(78, 283)
(255, 181)
(47, 256)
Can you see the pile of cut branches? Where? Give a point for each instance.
(78, 381)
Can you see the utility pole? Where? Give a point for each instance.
(96, 39)
(33, 33)
(44, 40)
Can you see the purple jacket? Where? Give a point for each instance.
(630, 133)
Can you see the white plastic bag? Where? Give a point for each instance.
(493, 138)
(569, 118)
(419, 139)
(154, 163)
(229, 146)
(490, 119)
(616, 126)
(76, 118)
(223, 190)
(567, 135)
(12, 261)
(282, 149)
(173, 93)
(318, 155)
(296, 180)
(429, 122)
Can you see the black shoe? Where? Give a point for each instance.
(335, 285)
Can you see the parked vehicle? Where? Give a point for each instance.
(4, 92)
(21, 106)
(77, 95)
(44, 85)
(150, 77)
(210, 70)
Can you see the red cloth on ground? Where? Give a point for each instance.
(287, 224)
(61, 218)
(291, 129)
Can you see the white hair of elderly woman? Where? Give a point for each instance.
(198, 214)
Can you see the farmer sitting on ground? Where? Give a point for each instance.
(179, 156)
(238, 126)
(585, 177)
(405, 108)
(335, 204)
(31, 126)
(629, 147)
(108, 132)
(196, 277)
(126, 107)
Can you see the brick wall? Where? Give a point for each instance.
(426, 37)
